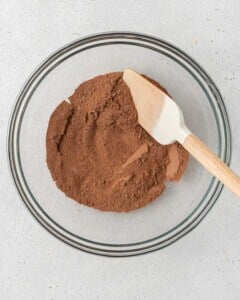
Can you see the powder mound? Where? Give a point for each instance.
(99, 155)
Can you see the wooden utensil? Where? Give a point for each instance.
(161, 117)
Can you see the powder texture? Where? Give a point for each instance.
(100, 156)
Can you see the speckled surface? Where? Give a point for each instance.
(203, 265)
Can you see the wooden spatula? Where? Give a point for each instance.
(161, 117)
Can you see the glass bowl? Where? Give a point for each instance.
(181, 207)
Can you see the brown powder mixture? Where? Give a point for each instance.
(99, 155)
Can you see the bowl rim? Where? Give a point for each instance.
(115, 250)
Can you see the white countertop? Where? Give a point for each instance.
(205, 264)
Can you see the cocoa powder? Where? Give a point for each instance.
(99, 155)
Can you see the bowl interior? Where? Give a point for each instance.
(178, 201)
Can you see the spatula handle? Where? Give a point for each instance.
(212, 163)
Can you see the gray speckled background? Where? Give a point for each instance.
(203, 265)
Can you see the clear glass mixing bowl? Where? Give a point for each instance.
(182, 206)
